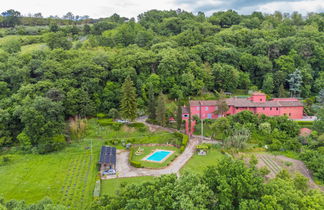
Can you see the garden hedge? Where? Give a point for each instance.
(111, 123)
(136, 164)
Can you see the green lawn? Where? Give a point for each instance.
(197, 164)
(148, 150)
(110, 187)
(67, 176)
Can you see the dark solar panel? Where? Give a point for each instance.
(108, 155)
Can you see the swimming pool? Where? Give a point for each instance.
(159, 156)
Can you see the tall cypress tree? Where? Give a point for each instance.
(128, 102)
(179, 116)
(161, 110)
(151, 103)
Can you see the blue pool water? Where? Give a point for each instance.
(158, 155)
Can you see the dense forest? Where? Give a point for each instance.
(81, 69)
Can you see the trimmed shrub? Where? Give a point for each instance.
(109, 122)
(105, 122)
(101, 115)
(182, 148)
(136, 164)
(185, 140)
(178, 135)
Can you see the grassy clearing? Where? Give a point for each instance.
(67, 176)
(33, 47)
(148, 150)
(197, 164)
(111, 186)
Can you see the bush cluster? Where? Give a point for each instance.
(109, 122)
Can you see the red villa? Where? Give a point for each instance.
(257, 104)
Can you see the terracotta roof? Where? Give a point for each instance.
(244, 102)
(204, 103)
(290, 103)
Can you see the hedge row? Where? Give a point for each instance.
(305, 122)
(136, 164)
(136, 125)
(111, 123)
(133, 163)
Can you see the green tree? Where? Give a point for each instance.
(11, 18)
(12, 46)
(78, 102)
(53, 27)
(161, 110)
(113, 113)
(57, 40)
(128, 104)
(232, 183)
(268, 85)
(319, 122)
(42, 119)
(151, 104)
(226, 77)
(295, 82)
(179, 115)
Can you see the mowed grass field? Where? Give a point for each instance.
(111, 186)
(197, 164)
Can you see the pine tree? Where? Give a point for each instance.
(161, 110)
(151, 103)
(128, 102)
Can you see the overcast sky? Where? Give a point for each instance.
(131, 8)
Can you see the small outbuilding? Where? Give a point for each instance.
(107, 159)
